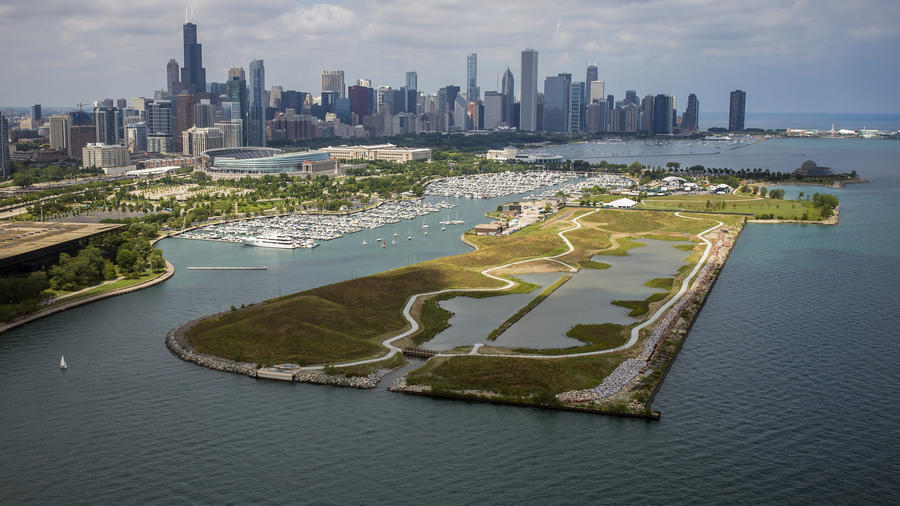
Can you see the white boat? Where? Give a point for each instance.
(443, 228)
(62, 362)
(426, 232)
(365, 243)
(273, 241)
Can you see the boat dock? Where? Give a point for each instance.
(227, 268)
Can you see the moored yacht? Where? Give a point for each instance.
(272, 241)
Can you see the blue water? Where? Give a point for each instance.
(807, 121)
(785, 390)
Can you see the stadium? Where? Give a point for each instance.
(233, 163)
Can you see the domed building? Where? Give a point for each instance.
(810, 169)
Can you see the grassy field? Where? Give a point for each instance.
(348, 320)
(780, 209)
(606, 335)
(515, 378)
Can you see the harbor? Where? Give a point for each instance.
(306, 229)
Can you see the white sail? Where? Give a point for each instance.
(62, 362)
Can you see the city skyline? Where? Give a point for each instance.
(690, 54)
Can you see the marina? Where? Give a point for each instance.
(501, 184)
(305, 229)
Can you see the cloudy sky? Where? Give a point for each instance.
(792, 56)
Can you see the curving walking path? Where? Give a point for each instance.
(635, 332)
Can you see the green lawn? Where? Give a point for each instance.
(782, 209)
(516, 378)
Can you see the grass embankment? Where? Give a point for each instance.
(528, 307)
(348, 320)
(519, 379)
(778, 208)
(602, 335)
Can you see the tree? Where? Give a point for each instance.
(125, 259)
(157, 262)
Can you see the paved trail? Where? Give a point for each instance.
(635, 332)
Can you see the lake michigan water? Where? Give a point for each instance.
(785, 390)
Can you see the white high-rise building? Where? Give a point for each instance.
(231, 133)
(59, 131)
(197, 140)
(597, 91)
(528, 101)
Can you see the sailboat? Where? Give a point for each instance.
(365, 243)
(62, 362)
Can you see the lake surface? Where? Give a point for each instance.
(785, 389)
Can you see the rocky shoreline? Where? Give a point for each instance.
(180, 346)
(630, 371)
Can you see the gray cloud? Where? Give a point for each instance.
(792, 56)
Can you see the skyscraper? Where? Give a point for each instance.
(646, 116)
(236, 73)
(193, 75)
(528, 106)
(184, 116)
(631, 97)
(333, 80)
(236, 92)
(508, 90)
(172, 82)
(59, 131)
(556, 103)
(359, 102)
(256, 129)
(590, 78)
(472, 78)
(736, 111)
(597, 91)
(412, 92)
(690, 122)
(576, 107)
(5, 171)
(105, 124)
(663, 112)
(35, 112)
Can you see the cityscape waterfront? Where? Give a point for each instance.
(419, 252)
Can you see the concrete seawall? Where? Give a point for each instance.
(169, 272)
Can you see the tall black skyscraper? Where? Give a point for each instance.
(690, 121)
(193, 75)
(736, 111)
(508, 89)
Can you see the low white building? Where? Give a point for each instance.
(623, 203)
(386, 152)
